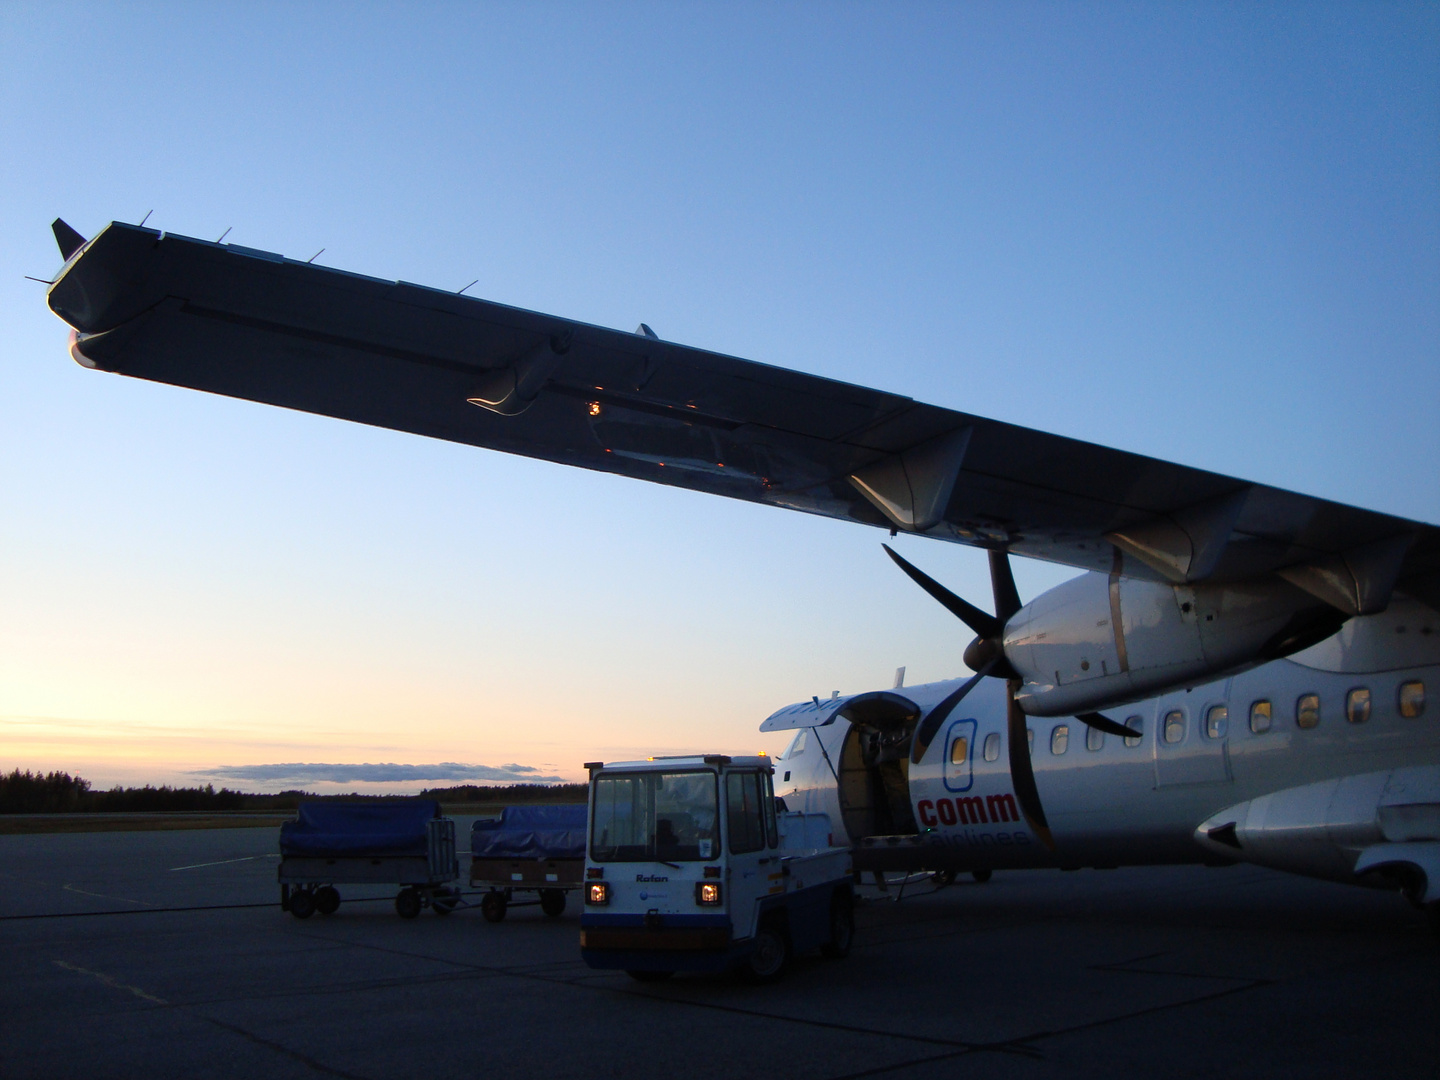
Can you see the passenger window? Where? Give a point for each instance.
(958, 751)
(742, 812)
(1060, 739)
(1260, 717)
(1174, 726)
(1412, 699)
(1357, 705)
(992, 746)
(1307, 711)
(1217, 721)
(1094, 738)
(1134, 723)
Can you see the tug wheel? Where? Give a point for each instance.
(770, 956)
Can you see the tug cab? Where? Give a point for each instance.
(692, 866)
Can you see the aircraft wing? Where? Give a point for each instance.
(255, 325)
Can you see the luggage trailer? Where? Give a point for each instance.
(691, 866)
(528, 849)
(403, 843)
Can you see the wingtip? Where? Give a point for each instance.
(69, 240)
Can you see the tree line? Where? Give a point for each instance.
(60, 793)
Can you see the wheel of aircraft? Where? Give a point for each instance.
(407, 904)
(327, 900)
(302, 903)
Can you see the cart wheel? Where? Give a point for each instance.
(552, 902)
(407, 903)
(842, 927)
(771, 955)
(943, 878)
(649, 976)
(492, 906)
(444, 901)
(302, 903)
(982, 876)
(327, 900)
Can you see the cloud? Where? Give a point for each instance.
(379, 773)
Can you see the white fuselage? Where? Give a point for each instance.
(1109, 803)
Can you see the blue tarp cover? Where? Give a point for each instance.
(531, 832)
(332, 829)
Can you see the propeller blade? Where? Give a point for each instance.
(984, 624)
(1002, 583)
(1101, 722)
(925, 734)
(1022, 775)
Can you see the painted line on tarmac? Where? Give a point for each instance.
(102, 896)
(111, 981)
(222, 862)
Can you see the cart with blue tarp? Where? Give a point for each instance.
(403, 842)
(538, 850)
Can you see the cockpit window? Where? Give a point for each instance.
(797, 744)
(655, 816)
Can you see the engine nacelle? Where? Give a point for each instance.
(1101, 640)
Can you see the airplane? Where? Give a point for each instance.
(1238, 674)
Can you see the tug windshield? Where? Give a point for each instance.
(655, 817)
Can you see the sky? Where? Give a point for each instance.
(1209, 233)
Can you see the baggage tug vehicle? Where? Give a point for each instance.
(692, 865)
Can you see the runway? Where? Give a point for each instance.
(165, 954)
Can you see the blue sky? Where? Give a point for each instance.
(1210, 233)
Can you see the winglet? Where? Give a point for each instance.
(69, 240)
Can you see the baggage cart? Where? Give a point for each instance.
(406, 843)
(536, 850)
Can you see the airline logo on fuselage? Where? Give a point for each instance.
(968, 810)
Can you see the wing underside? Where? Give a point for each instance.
(254, 325)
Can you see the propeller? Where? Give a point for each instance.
(986, 655)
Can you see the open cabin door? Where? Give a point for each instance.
(874, 765)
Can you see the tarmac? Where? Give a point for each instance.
(165, 954)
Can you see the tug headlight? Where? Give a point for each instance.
(598, 892)
(707, 893)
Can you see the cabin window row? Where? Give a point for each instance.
(1409, 702)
